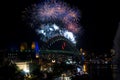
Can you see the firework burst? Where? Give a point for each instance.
(53, 12)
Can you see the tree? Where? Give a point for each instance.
(9, 71)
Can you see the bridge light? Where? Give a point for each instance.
(33, 45)
(63, 45)
(81, 50)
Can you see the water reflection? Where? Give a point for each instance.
(99, 71)
(85, 67)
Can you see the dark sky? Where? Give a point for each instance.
(98, 19)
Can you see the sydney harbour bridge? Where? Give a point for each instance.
(58, 44)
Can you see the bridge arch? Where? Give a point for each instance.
(57, 42)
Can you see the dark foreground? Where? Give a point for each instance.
(95, 72)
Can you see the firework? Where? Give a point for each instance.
(49, 31)
(52, 18)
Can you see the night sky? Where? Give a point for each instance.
(99, 21)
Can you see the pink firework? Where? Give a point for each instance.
(52, 11)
